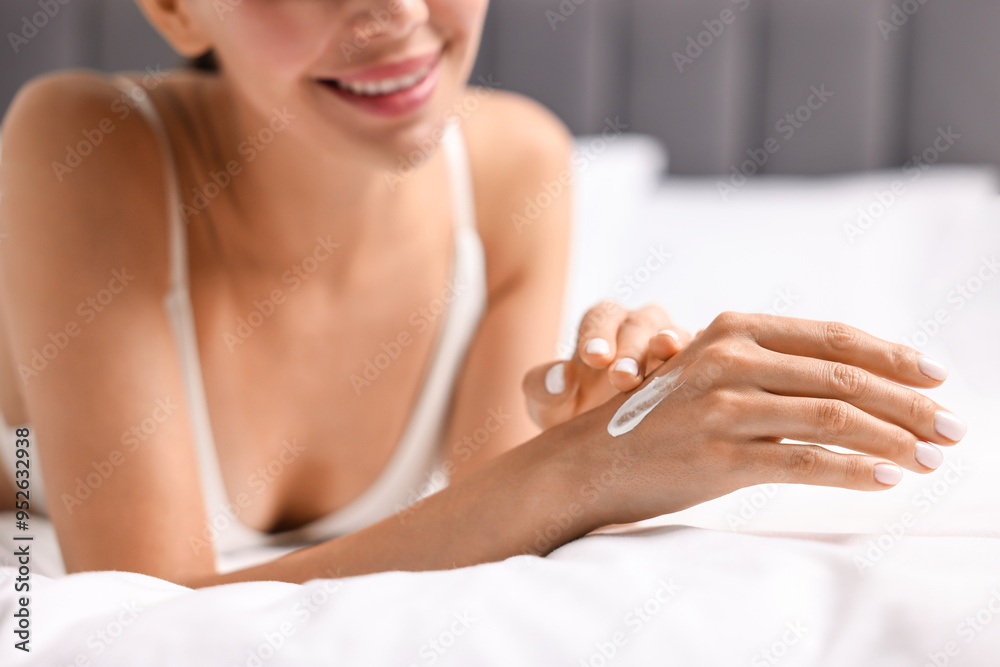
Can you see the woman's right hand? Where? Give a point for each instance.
(750, 381)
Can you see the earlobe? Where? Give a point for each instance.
(176, 22)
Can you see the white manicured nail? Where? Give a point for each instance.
(888, 474)
(626, 365)
(933, 369)
(671, 333)
(598, 346)
(928, 455)
(555, 379)
(949, 425)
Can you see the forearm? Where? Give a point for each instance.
(499, 511)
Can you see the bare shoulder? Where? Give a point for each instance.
(71, 105)
(520, 155)
(512, 135)
(81, 165)
(56, 92)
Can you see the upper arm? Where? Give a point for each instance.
(84, 272)
(520, 155)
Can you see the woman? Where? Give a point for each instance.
(246, 308)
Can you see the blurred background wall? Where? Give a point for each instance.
(819, 86)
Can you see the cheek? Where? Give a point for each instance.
(282, 37)
(461, 18)
(469, 14)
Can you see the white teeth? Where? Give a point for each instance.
(385, 86)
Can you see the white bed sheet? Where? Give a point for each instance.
(810, 576)
(665, 596)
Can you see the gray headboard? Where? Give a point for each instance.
(712, 78)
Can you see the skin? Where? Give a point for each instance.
(646, 336)
(749, 380)
(394, 258)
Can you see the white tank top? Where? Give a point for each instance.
(414, 469)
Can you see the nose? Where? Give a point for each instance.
(386, 20)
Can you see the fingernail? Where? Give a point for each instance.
(598, 346)
(627, 365)
(949, 426)
(555, 379)
(932, 368)
(671, 333)
(888, 474)
(928, 455)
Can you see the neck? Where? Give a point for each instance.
(288, 193)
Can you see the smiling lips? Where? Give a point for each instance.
(384, 86)
(389, 90)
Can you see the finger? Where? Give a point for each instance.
(802, 376)
(549, 390)
(664, 345)
(834, 341)
(831, 422)
(550, 384)
(809, 464)
(598, 332)
(668, 342)
(634, 333)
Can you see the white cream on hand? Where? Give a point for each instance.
(642, 402)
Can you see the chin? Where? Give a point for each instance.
(409, 149)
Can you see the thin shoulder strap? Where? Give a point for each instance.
(460, 177)
(178, 246)
(177, 303)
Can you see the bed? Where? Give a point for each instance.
(769, 575)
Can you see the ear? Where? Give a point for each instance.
(179, 25)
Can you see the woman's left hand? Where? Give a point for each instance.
(616, 350)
